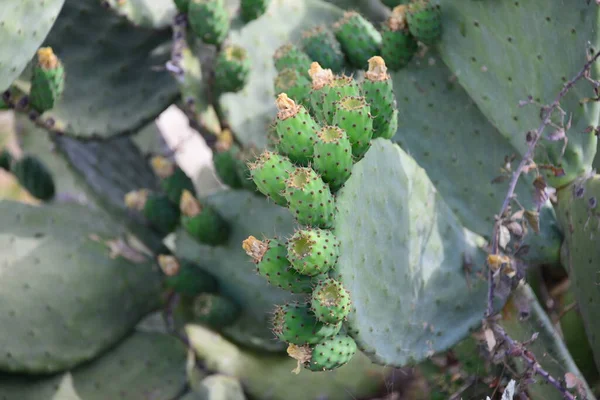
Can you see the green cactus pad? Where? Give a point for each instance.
(313, 251)
(124, 93)
(219, 387)
(232, 69)
(398, 45)
(296, 130)
(185, 277)
(34, 176)
(321, 46)
(294, 84)
(331, 353)
(268, 375)
(155, 14)
(394, 3)
(295, 323)
(173, 181)
(424, 21)
(290, 56)
(270, 171)
(158, 210)
(333, 156)
(409, 288)
(353, 115)
(330, 301)
(309, 199)
(203, 222)
(359, 39)
(340, 87)
(209, 20)
(250, 112)
(182, 5)
(23, 26)
(65, 297)
(579, 214)
(378, 89)
(271, 261)
(563, 32)
(47, 82)
(253, 9)
(247, 214)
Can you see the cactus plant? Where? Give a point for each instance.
(366, 157)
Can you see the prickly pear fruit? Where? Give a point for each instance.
(232, 69)
(424, 21)
(269, 172)
(47, 82)
(290, 56)
(393, 3)
(225, 160)
(296, 130)
(330, 301)
(270, 257)
(294, 84)
(214, 310)
(202, 222)
(182, 5)
(6, 159)
(327, 355)
(309, 199)
(209, 20)
(160, 212)
(252, 9)
(313, 251)
(321, 79)
(185, 277)
(243, 171)
(398, 45)
(173, 180)
(353, 115)
(379, 92)
(295, 323)
(321, 46)
(333, 156)
(359, 39)
(341, 86)
(34, 176)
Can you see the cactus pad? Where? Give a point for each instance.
(415, 298)
(23, 26)
(84, 297)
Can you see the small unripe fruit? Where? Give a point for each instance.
(47, 82)
(35, 177)
(359, 39)
(203, 222)
(295, 323)
(321, 46)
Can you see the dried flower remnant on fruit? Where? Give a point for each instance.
(320, 77)
(168, 264)
(377, 70)
(189, 206)
(255, 248)
(302, 354)
(162, 167)
(136, 199)
(46, 58)
(397, 20)
(286, 106)
(224, 140)
(495, 261)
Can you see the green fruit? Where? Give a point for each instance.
(341, 86)
(309, 199)
(173, 180)
(270, 172)
(353, 115)
(213, 310)
(321, 46)
(182, 5)
(232, 69)
(327, 355)
(359, 39)
(330, 301)
(294, 323)
(270, 257)
(47, 82)
(393, 3)
(294, 84)
(398, 45)
(313, 251)
(225, 163)
(252, 9)
(379, 91)
(243, 171)
(424, 21)
(203, 222)
(290, 56)
(35, 177)
(209, 20)
(321, 81)
(160, 212)
(296, 130)
(6, 159)
(333, 156)
(185, 277)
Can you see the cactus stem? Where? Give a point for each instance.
(189, 206)
(320, 77)
(46, 58)
(302, 354)
(162, 167)
(255, 248)
(377, 70)
(136, 199)
(286, 106)
(168, 264)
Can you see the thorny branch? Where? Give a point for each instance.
(515, 348)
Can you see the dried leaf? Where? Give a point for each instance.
(509, 391)
(571, 380)
(515, 228)
(533, 219)
(495, 261)
(503, 236)
(490, 339)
